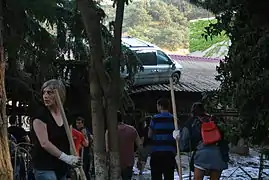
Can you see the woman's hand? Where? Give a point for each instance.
(74, 161)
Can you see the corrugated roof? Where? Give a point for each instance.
(193, 58)
(198, 75)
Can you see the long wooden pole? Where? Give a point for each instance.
(68, 132)
(179, 165)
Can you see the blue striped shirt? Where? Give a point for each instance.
(162, 126)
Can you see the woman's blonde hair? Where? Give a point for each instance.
(56, 84)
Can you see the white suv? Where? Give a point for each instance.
(158, 66)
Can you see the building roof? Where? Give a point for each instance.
(198, 75)
(194, 58)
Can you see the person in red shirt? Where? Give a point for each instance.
(128, 137)
(80, 140)
(87, 154)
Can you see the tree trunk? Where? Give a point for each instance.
(5, 162)
(111, 89)
(113, 139)
(92, 23)
(98, 126)
(113, 96)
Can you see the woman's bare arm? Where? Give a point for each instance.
(40, 129)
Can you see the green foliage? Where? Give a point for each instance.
(216, 6)
(31, 48)
(129, 59)
(198, 42)
(189, 10)
(218, 49)
(136, 14)
(44, 34)
(244, 73)
(160, 23)
(198, 12)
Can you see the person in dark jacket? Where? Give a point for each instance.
(209, 159)
(143, 133)
(163, 145)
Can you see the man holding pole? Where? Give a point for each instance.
(163, 150)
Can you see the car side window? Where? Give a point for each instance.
(162, 58)
(147, 58)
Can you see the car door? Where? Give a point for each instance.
(149, 75)
(164, 66)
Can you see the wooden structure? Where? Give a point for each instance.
(198, 76)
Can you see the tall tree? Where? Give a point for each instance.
(44, 32)
(113, 94)
(92, 22)
(244, 72)
(5, 161)
(108, 59)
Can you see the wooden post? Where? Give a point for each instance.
(6, 171)
(176, 125)
(68, 132)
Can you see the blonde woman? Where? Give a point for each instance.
(51, 146)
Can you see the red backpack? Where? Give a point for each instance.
(209, 131)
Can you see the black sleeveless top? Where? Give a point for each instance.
(41, 159)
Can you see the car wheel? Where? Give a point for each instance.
(175, 77)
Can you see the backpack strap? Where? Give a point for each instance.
(209, 119)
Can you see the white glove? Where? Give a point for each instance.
(177, 158)
(176, 134)
(70, 159)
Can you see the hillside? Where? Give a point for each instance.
(175, 26)
(218, 50)
(217, 47)
(197, 41)
(161, 22)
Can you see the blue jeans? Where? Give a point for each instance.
(46, 175)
